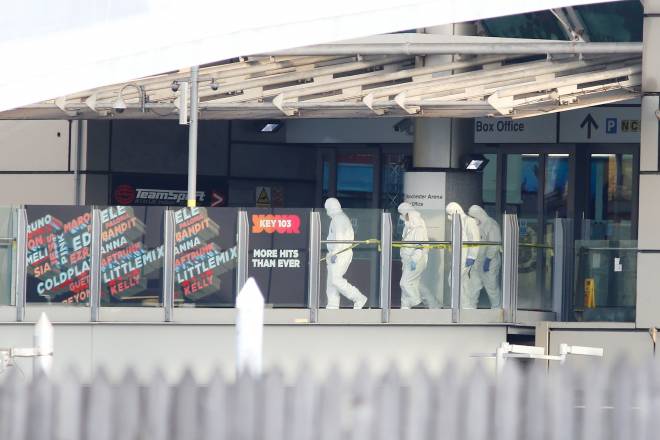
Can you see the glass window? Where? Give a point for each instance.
(420, 273)
(393, 168)
(205, 257)
(606, 280)
(617, 21)
(489, 186)
(355, 179)
(8, 237)
(555, 195)
(58, 258)
(532, 25)
(610, 197)
(132, 254)
(279, 255)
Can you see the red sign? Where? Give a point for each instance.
(270, 223)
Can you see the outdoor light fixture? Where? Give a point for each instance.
(270, 126)
(474, 162)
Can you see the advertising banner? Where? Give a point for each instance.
(58, 245)
(279, 254)
(165, 190)
(205, 256)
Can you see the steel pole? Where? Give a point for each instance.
(192, 139)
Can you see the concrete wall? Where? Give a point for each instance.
(633, 345)
(37, 162)
(203, 348)
(648, 276)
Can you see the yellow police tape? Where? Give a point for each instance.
(372, 241)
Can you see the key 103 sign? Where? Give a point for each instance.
(274, 223)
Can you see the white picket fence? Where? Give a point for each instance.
(621, 403)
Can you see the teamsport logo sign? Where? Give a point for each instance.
(127, 195)
(269, 224)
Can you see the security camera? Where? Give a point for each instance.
(214, 85)
(119, 105)
(404, 125)
(175, 86)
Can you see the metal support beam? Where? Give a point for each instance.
(242, 244)
(95, 266)
(456, 267)
(510, 241)
(386, 266)
(21, 265)
(168, 266)
(504, 48)
(562, 271)
(314, 265)
(192, 138)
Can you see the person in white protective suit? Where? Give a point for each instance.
(489, 259)
(470, 282)
(413, 259)
(339, 258)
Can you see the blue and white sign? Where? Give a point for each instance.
(600, 125)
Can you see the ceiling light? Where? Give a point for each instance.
(270, 126)
(474, 162)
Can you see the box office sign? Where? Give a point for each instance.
(278, 252)
(166, 190)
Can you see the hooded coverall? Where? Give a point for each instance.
(338, 259)
(489, 259)
(470, 282)
(414, 260)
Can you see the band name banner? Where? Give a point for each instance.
(132, 254)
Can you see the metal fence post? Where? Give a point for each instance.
(386, 266)
(562, 274)
(21, 265)
(242, 245)
(95, 266)
(168, 265)
(510, 242)
(456, 267)
(314, 265)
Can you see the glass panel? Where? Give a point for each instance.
(355, 179)
(489, 186)
(523, 177)
(205, 257)
(132, 256)
(606, 280)
(532, 25)
(8, 236)
(358, 267)
(279, 255)
(555, 195)
(420, 270)
(610, 197)
(484, 276)
(393, 168)
(619, 21)
(58, 263)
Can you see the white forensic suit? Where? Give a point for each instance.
(339, 258)
(414, 260)
(489, 259)
(470, 281)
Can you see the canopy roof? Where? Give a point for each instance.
(65, 62)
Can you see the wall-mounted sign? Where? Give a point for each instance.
(165, 190)
(539, 129)
(601, 125)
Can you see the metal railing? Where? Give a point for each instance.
(384, 245)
